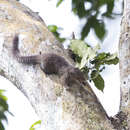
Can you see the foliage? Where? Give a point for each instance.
(88, 59)
(59, 2)
(3, 109)
(35, 124)
(91, 10)
(91, 62)
(54, 29)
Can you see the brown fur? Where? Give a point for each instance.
(51, 63)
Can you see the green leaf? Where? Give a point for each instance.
(112, 59)
(89, 24)
(86, 30)
(110, 7)
(97, 25)
(98, 80)
(102, 56)
(3, 104)
(2, 96)
(99, 28)
(52, 28)
(59, 2)
(79, 7)
(105, 59)
(34, 125)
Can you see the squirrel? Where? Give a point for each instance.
(51, 63)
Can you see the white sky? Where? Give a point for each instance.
(63, 17)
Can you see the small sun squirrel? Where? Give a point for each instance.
(51, 63)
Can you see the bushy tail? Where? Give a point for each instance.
(23, 59)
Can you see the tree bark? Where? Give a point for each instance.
(124, 56)
(59, 109)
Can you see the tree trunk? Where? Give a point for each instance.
(59, 109)
(124, 56)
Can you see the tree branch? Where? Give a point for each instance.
(77, 108)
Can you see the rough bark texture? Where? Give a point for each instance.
(59, 109)
(124, 55)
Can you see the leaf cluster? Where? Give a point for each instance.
(88, 59)
(91, 62)
(4, 108)
(91, 10)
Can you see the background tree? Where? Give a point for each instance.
(124, 54)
